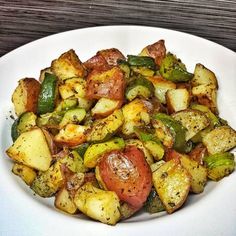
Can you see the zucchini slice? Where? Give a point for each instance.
(139, 87)
(73, 116)
(143, 61)
(177, 131)
(104, 129)
(219, 165)
(95, 151)
(174, 70)
(48, 94)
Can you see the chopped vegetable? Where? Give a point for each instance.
(112, 136)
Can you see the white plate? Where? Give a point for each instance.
(21, 213)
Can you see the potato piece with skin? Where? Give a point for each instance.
(204, 76)
(104, 107)
(139, 145)
(73, 87)
(26, 173)
(157, 51)
(220, 139)
(95, 151)
(106, 83)
(161, 87)
(25, 96)
(64, 202)
(128, 174)
(198, 153)
(206, 95)
(98, 204)
(177, 100)
(68, 65)
(193, 120)
(72, 135)
(172, 183)
(31, 149)
(111, 56)
(205, 85)
(136, 113)
(197, 172)
(96, 62)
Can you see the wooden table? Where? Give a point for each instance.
(22, 21)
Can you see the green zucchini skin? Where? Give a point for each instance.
(47, 95)
(153, 203)
(139, 87)
(174, 70)
(23, 123)
(177, 130)
(143, 61)
(14, 130)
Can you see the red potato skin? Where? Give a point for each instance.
(157, 51)
(96, 62)
(111, 56)
(128, 174)
(198, 153)
(171, 154)
(112, 86)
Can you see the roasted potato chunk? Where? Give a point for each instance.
(31, 149)
(205, 85)
(197, 172)
(111, 55)
(220, 139)
(72, 135)
(64, 202)
(68, 65)
(193, 120)
(98, 204)
(25, 96)
(157, 51)
(136, 113)
(26, 173)
(161, 87)
(106, 83)
(177, 99)
(104, 107)
(172, 183)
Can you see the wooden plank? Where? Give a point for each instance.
(23, 21)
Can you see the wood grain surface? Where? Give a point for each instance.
(25, 20)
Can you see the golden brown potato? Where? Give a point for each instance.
(193, 120)
(26, 173)
(172, 183)
(71, 136)
(98, 204)
(157, 51)
(104, 107)
(161, 87)
(136, 113)
(177, 99)
(31, 149)
(25, 96)
(197, 172)
(106, 83)
(64, 202)
(68, 65)
(220, 139)
(204, 87)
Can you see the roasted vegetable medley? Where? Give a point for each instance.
(114, 134)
